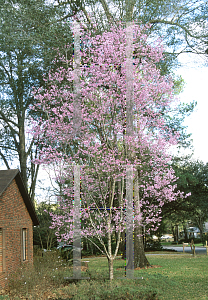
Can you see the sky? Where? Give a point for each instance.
(195, 73)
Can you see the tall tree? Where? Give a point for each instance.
(29, 31)
(192, 178)
(103, 138)
(181, 24)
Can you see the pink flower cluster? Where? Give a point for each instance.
(101, 147)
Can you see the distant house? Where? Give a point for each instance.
(206, 227)
(193, 232)
(17, 218)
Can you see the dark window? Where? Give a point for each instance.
(24, 244)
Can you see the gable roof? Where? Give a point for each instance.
(6, 177)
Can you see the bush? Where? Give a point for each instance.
(153, 245)
(46, 280)
(94, 290)
(47, 271)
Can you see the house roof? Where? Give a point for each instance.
(6, 177)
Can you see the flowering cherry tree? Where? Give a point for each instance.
(102, 147)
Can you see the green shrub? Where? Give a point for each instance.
(118, 290)
(153, 245)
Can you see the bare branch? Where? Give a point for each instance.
(5, 160)
(178, 25)
(107, 11)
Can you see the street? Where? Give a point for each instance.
(198, 250)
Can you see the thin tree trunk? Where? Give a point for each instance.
(200, 225)
(21, 121)
(48, 239)
(33, 184)
(201, 233)
(40, 239)
(123, 245)
(110, 265)
(91, 248)
(140, 259)
(50, 243)
(173, 232)
(129, 9)
(176, 233)
(22, 155)
(5, 160)
(185, 233)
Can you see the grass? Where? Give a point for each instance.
(179, 276)
(166, 244)
(199, 245)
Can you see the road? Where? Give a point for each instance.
(198, 250)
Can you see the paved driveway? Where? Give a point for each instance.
(198, 250)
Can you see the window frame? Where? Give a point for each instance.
(2, 237)
(24, 244)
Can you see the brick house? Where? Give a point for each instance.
(17, 218)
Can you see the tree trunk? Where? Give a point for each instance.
(129, 9)
(110, 265)
(33, 181)
(40, 239)
(176, 232)
(140, 259)
(185, 233)
(50, 243)
(201, 233)
(22, 154)
(85, 245)
(173, 232)
(200, 225)
(91, 248)
(123, 245)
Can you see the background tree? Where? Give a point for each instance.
(29, 31)
(181, 24)
(192, 178)
(43, 235)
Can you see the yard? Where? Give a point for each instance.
(175, 276)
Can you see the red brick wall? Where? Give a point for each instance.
(13, 217)
(1, 251)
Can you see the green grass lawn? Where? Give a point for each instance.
(166, 244)
(179, 276)
(199, 245)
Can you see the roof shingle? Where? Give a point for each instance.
(6, 177)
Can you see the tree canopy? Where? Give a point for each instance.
(103, 135)
(192, 178)
(29, 32)
(32, 30)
